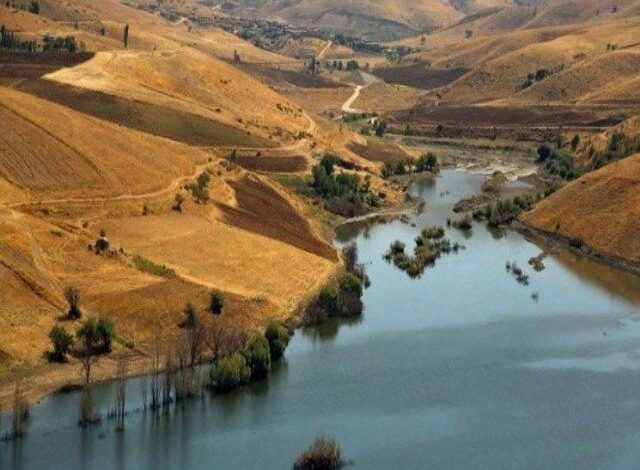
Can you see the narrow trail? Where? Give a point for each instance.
(346, 107)
(174, 185)
(324, 51)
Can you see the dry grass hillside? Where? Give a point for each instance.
(600, 209)
(573, 62)
(388, 19)
(107, 141)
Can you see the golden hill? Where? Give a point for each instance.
(600, 210)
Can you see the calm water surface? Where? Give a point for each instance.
(460, 369)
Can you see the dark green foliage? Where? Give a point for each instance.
(427, 162)
(349, 295)
(191, 316)
(507, 210)
(56, 44)
(324, 454)
(200, 189)
(106, 334)
(216, 302)
(97, 335)
(328, 162)
(72, 296)
(34, 7)
(381, 128)
(229, 373)
(278, 338)
(328, 300)
(8, 40)
(561, 163)
(575, 142)
(62, 341)
(430, 245)
(620, 146)
(345, 194)
(258, 356)
(544, 152)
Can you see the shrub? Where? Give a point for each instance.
(324, 454)
(544, 152)
(258, 356)
(427, 162)
(328, 300)
(191, 313)
(106, 331)
(278, 338)
(61, 341)
(97, 335)
(349, 296)
(72, 296)
(463, 223)
(216, 303)
(229, 373)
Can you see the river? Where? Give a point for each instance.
(460, 369)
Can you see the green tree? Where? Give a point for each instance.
(106, 331)
(229, 373)
(278, 339)
(258, 356)
(427, 162)
(62, 341)
(544, 152)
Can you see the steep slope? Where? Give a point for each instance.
(600, 210)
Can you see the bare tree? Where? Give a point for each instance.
(20, 412)
(121, 387)
(156, 352)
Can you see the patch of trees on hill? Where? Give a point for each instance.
(345, 194)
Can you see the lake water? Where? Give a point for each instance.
(459, 369)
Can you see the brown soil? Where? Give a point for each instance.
(174, 124)
(35, 65)
(379, 151)
(263, 210)
(268, 164)
(419, 75)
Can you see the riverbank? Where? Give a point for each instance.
(51, 378)
(576, 246)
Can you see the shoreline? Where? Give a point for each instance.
(586, 251)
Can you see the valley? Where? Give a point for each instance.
(194, 173)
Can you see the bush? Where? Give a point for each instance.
(216, 303)
(191, 313)
(544, 152)
(328, 300)
(324, 454)
(349, 296)
(258, 356)
(106, 333)
(72, 296)
(62, 342)
(427, 162)
(278, 339)
(97, 335)
(229, 373)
